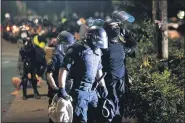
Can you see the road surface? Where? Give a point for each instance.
(8, 70)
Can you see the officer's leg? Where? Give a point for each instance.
(111, 86)
(123, 97)
(50, 101)
(93, 104)
(24, 83)
(80, 108)
(121, 91)
(34, 83)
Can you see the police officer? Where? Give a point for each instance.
(57, 59)
(120, 43)
(28, 55)
(83, 61)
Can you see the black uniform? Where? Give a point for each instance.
(113, 61)
(28, 55)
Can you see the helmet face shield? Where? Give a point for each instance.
(97, 37)
(102, 43)
(103, 40)
(90, 22)
(121, 16)
(65, 38)
(63, 47)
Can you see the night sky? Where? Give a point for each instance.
(84, 8)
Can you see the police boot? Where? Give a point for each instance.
(24, 89)
(24, 95)
(50, 121)
(36, 93)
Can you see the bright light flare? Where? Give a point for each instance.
(8, 28)
(27, 28)
(181, 14)
(15, 29)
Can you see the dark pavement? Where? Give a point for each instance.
(8, 70)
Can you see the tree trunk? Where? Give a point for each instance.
(157, 31)
(154, 12)
(164, 27)
(160, 34)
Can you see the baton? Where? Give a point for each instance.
(98, 81)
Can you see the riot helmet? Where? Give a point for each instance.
(99, 22)
(90, 22)
(64, 40)
(121, 16)
(97, 37)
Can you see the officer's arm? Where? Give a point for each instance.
(65, 67)
(50, 69)
(100, 74)
(130, 45)
(51, 80)
(62, 77)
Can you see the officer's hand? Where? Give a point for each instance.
(63, 94)
(103, 91)
(56, 89)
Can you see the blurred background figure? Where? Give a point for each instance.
(17, 83)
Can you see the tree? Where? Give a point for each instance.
(160, 35)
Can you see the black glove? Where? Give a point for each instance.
(56, 90)
(103, 91)
(63, 94)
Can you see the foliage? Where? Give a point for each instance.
(156, 95)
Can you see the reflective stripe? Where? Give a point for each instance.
(35, 40)
(41, 44)
(64, 20)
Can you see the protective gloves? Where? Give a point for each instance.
(63, 94)
(56, 89)
(103, 91)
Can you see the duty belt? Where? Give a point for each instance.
(85, 87)
(114, 41)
